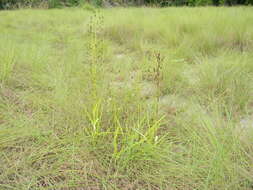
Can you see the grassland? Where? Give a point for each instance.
(126, 98)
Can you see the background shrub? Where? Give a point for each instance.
(10, 4)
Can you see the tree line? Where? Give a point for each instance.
(12, 4)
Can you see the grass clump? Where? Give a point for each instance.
(225, 81)
(8, 60)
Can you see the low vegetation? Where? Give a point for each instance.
(126, 98)
(14, 4)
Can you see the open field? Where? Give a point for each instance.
(126, 98)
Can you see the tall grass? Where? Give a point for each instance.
(81, 109)
(8, 59)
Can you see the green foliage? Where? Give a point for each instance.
(74, 109)
(249, 2)
(222, 82)
(9, 4)
(199, 2)
(7, 62)
(53, 3)
(88, 7)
